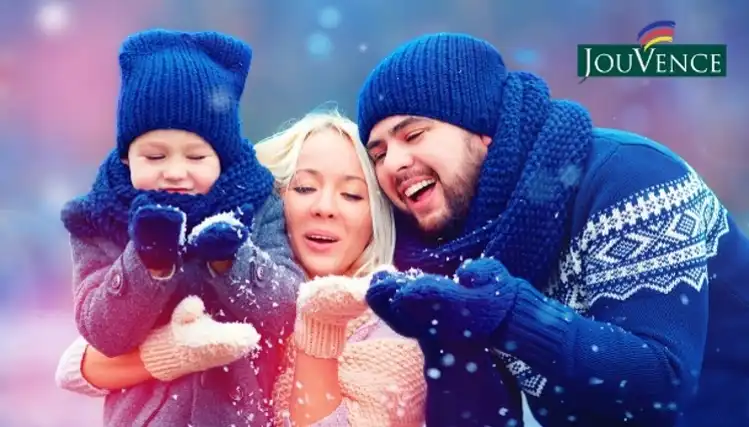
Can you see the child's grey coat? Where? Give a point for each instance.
(117, 304)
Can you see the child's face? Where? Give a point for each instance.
(172, 160)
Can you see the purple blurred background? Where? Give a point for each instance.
(58, 88)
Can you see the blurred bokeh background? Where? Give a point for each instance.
(59, 80)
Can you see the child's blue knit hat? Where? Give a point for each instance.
(453, 78)
(186, 81)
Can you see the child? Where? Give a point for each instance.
(181, 166)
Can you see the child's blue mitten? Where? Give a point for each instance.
(218, 238)
(157, 232)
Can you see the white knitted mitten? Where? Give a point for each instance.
(324, 308)
(194, 342)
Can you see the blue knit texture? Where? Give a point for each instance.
(157, 233)
(436, 308)
(218, 241)
(176, 80)
(181, 80)
(454, 78)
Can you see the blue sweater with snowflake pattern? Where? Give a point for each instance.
(646, 321)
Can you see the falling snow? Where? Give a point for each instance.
(53, 17)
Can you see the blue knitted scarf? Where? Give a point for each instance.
(105, 210)
(525, 189)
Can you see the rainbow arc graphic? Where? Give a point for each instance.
(656, 33)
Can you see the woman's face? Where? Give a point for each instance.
(327, 210)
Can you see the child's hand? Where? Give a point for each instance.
(217, 238)
(158, 233)
(193, 342)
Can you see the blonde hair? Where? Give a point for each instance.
(280, 154)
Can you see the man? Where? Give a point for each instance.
(613, 280)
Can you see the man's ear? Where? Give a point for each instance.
(486, 140)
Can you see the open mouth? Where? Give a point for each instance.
(320, 239)
(418, 190)
(177, 190)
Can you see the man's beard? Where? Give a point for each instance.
(458, 195)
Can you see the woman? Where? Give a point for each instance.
(344, 367)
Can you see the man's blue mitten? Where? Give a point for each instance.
(383, 287)
(218, 238)
(453, 323)
(157, 233)
(428, 305)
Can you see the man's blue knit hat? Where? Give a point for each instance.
(453, 78)
(185, 81)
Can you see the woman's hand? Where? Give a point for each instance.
(325, 306)
(194, 342)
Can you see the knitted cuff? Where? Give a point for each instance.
(319, 339)
(160, 355)
(69, 374)
(538, 329)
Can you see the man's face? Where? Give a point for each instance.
(427, 168)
